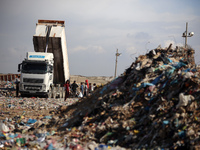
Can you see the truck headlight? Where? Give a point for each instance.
(43, 87)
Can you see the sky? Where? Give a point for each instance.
(95, 29)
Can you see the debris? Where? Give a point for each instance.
(151, 105)
(154, 104)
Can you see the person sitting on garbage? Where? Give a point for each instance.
(74, 87)
(67, 89)
(17, 81)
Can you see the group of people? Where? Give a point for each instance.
(74, 90)
(71, 90)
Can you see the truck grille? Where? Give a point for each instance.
(28, 80)
(32, 87)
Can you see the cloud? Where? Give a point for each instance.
(172, 27)
(13, 55)
(139, 35)
(131, 50)
(10, 58)
(90, 48)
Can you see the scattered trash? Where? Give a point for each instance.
(154, 104)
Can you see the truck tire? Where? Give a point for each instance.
(54, 92)
(60, 92)
(49, 95)
(63, 92)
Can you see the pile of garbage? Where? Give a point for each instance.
(153, 104)
(7, 84)
(7, 88)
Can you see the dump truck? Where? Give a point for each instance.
(44, 71)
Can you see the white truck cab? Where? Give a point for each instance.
(36, 73)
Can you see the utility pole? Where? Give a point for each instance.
(186, 30)
(185, 34)
(117, 54)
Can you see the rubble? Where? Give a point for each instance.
(7, 88)
(26, 122)
(154, 104)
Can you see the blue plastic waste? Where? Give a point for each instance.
(156, 80)
(181, 134)
(173, 82)
(165, 122)
(179, 65)
(135, 89)
(47, 117)
(13, 135)
(147, 108)
(146, 84)
(102, 90)
(186, 70)
(2, 135)
(101, 147)
(30, 121)
(170, 60)
(50, 147)
(176, 122)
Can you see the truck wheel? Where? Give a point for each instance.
(63, 92)
(54, 91)
(60, 92)
(49, 95)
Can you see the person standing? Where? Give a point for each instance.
(74, 87)
(87, 83)
(67, 89)
(17, 81)
(85, 89)
(94, 86)
(90, 88)
(82, 88)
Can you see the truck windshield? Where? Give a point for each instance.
(37, 68)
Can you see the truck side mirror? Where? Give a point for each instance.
(19, 67)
